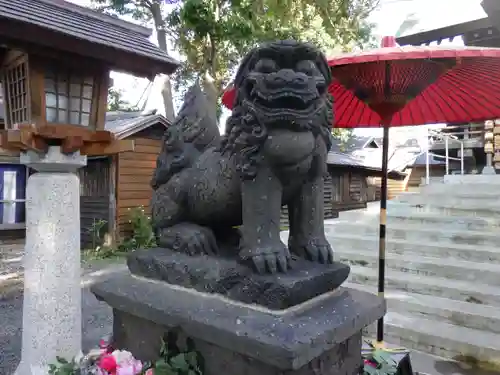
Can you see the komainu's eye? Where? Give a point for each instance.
(307, 66)
(266, 66)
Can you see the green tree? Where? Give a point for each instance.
(116, 102)
(146, 12)
(213, 35)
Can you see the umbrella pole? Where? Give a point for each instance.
(382, 233)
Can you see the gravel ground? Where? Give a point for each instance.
(97, 323)
(97, 318)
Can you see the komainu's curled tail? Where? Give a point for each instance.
(193, 131)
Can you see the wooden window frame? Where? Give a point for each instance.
(14, 60)
(37, 68)
(68, 87)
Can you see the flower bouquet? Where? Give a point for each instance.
(102, 361)
(107, 361)
(385, 361)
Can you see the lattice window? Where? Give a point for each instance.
(68, 98)
(16, 93)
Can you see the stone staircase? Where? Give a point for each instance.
(443, 266)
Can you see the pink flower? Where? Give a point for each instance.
(149, 372)
(108, 363)
(129, 367)
(370, 363)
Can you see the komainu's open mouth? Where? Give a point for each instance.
(290, 102)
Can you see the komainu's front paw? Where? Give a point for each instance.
(269, 258)
(315, 249)
(188, 238)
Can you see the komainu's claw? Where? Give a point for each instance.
(270, 259)
(314, 249)
(188, 238)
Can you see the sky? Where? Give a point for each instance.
(387, 18)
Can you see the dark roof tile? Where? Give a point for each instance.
(83, 23)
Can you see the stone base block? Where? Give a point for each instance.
(227, 277)
(321, 336)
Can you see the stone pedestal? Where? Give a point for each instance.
(52, 294)
(319, 336)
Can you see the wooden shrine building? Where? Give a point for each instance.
(483, 32)
(55, 60)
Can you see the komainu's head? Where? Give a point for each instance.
(281, 85)
(283, 81)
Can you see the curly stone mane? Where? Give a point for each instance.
(245, 134)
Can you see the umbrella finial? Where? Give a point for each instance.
(388, 41)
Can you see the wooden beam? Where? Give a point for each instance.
(113, 191)
(105, 148)
(63, 131)
(100, 100)
(36, 90)
(22, 140)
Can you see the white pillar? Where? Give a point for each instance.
(488, 168)
(52, 295)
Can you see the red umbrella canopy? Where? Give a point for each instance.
(410, 85)
(400, 86)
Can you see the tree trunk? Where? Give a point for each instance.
(161, 37)
(211, 93)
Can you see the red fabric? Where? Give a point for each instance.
(426, 85)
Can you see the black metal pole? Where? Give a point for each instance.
(382, 233)
(383, 202)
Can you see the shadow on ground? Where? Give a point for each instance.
(97, 316)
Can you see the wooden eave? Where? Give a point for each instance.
(67, 28)
(443, 33)
(33, 39)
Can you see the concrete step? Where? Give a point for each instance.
(399, 212)
(475, 206)
(447, 268)
(451, 192)
(444, 221)
(417, 233)
(439, 338)
(347, 241)
(443, 188)
(429, 285)
(465, 314)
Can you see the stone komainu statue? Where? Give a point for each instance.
(273, 154)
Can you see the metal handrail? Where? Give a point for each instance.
(415, 156)
(447, 137)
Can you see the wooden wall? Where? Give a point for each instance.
(394, 187)
(134, 172)
(418, 173)
(94, 197)
(343, 191)
(350, 190)
(329, 212)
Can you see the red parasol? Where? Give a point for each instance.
(402, 86)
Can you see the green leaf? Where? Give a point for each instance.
(161, 367)
(192, 359)
(163, 349)
(61, 360)
(179, 362)
(369, 370)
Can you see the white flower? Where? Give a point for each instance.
(122, 356)
(39, 370)
(79, 357)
